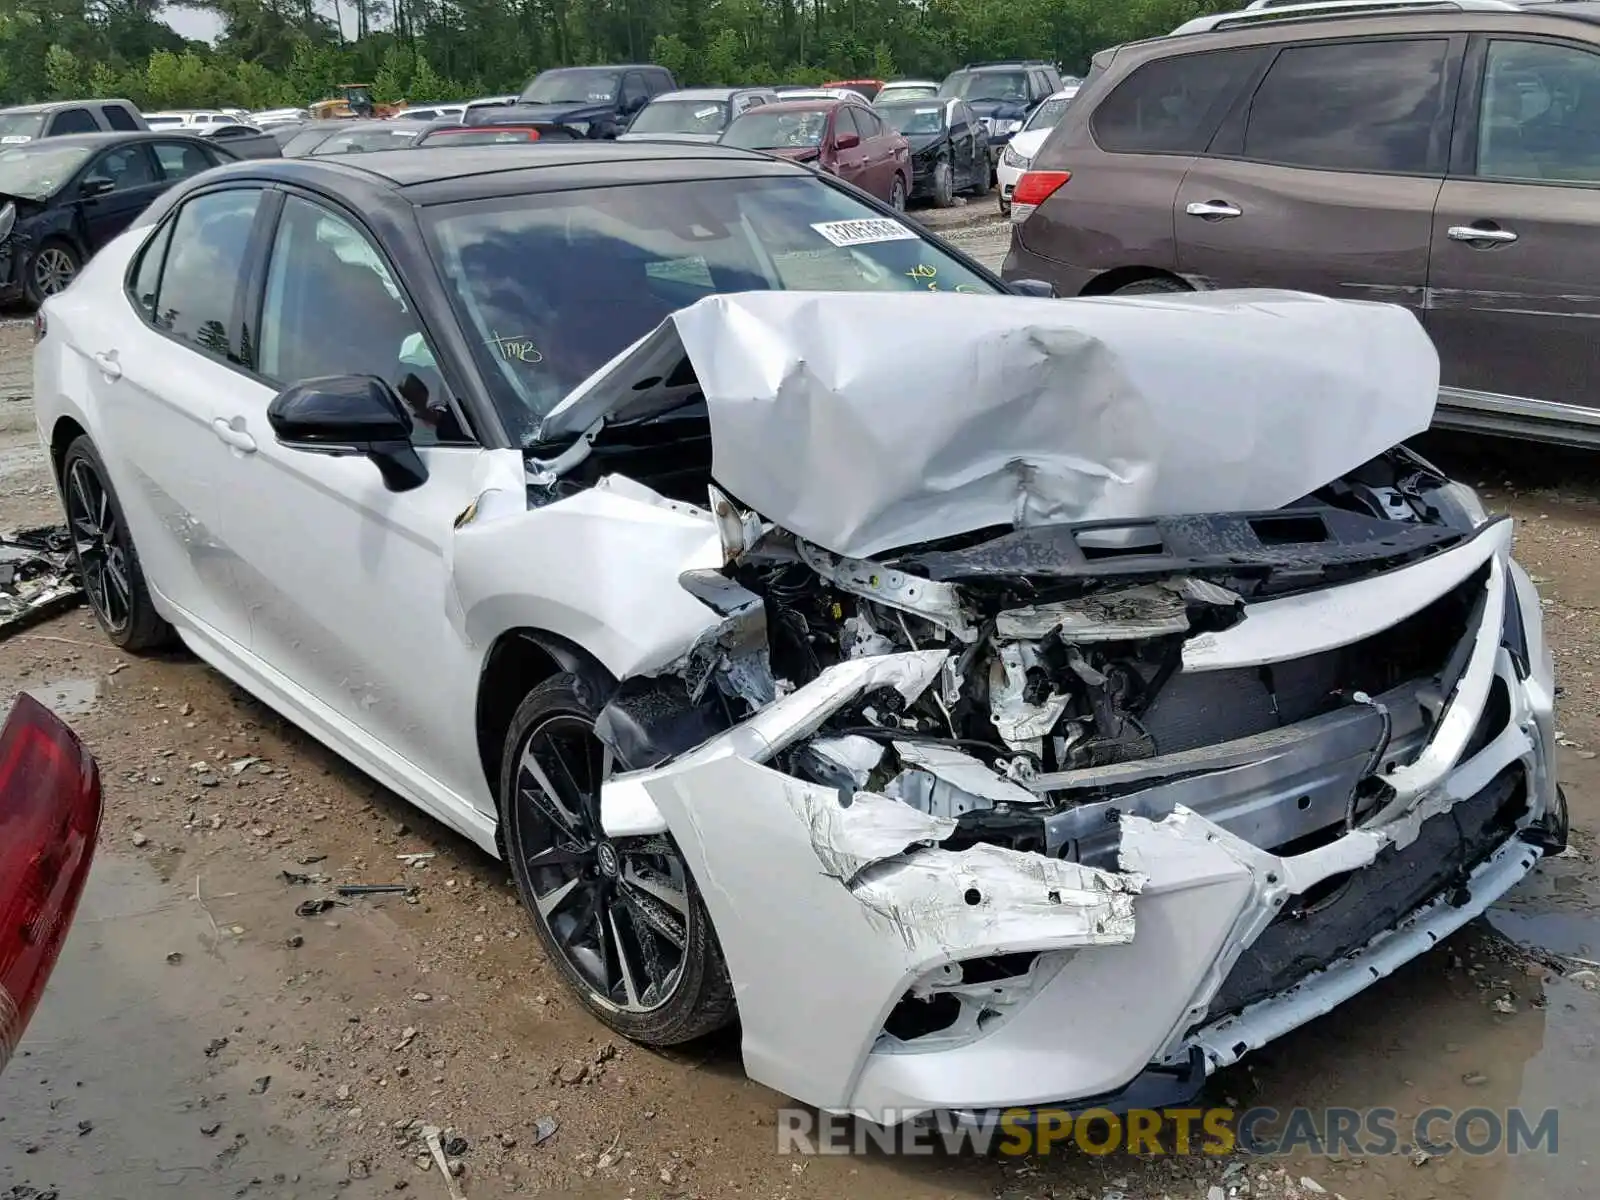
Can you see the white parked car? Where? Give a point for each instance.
(693, 114)
(268, 117)
(835, 661)
(907, 89)
(1025, 143)
(196, 120)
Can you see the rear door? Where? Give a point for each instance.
(1324, 179)
(1516, 235)
(850, 163)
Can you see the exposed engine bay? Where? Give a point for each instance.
(1066, 644)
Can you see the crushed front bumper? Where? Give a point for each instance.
(1073, 983)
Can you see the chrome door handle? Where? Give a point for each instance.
(107, 362)
(1213, 208)
(238, 438)
(1471, 233)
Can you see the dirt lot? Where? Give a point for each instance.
(203, 1040)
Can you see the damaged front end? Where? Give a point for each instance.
(1084, 810)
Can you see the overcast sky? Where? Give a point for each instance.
(205, 26)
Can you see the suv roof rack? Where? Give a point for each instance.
(1260, 12)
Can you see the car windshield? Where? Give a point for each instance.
(35, 171)
(912, 118)
(357, 141)
(551, 287)
(1048, 114)
(795, 129)
(16, 127)
(987, 85)
(572, 86)
(681, 116)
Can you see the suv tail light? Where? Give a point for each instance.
(1032, 190)
(49, 819)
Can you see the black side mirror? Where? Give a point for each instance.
(1039, 289)
(350, 414)
(90, 188)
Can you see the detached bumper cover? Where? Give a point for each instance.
(832, 915)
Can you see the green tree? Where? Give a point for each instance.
(63, 73)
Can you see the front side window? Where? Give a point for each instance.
(180, 160)
(633, 89)
(1540, 114)
(550, 287)
(1172, 105)
(73, 120)
(322, 270)
(121, 169)
(1354, 106)
(200, 284)
(682, 116)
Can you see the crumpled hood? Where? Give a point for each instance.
(923, 141)
(865, 422)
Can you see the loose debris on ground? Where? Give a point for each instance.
(38, 576)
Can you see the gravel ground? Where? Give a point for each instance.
(202, 1040)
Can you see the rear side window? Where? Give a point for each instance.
(73, 120)
(1172, 105)
(201, 280)
(179, 160)
(118, 117)
(1354, 106)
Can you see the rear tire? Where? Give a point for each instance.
(108, 563)
(944, 184)
(621, 919)
(1155, 285)
(897, 194)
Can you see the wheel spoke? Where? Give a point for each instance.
(670, 896)
(550, 804)
(556, 896)
(624, 968)
(646, 915)
(559, 856)
(585, 917)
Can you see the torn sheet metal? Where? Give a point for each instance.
(863, 422)
(38, 576)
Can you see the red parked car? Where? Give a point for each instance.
(49, 820)
(842, 137)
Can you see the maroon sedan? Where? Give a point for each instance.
(841, 137)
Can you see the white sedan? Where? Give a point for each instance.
(828, 660)
(1025, 143)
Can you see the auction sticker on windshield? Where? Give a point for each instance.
(865, 232)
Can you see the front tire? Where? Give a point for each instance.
(108, 563)
(50, 268)
(944, 184)
(620, 918)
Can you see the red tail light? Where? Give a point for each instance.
(39, 326)
(1033, 189)
(49, 819)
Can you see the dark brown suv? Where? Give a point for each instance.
(1443, 156)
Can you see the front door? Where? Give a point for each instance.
(344, 583)
(850, 162)
(114, 189)
(1325, 179)
(1513, 305)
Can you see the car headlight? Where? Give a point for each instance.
(1461, 503)
(1006, 126)
(1012, 159)
(581, 128)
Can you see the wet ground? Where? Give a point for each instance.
(201, 1040)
